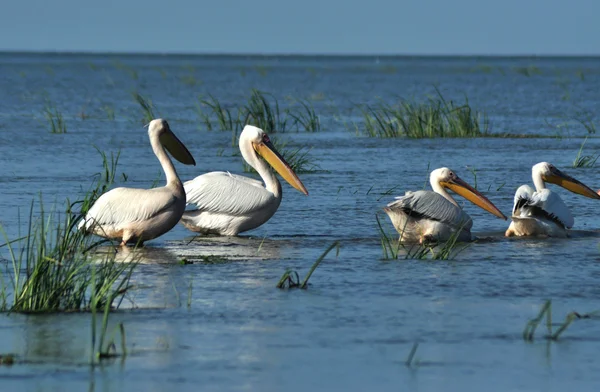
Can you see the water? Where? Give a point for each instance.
(355, 325)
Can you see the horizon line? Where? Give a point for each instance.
(288, 54)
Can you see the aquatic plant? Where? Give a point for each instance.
(446, 250)
(584, 160)
(410, 360)
(102, 350)
(291, 279)
(55, 119)
(110, 112)
(306, 117)
(546, 310)
(297, 157)
(52, 269)
(434, 118)
(225, 120)
(262, 110)
(146, 105)
(528, 71)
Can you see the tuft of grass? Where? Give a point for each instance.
(52, 268)
(55, 119)
(262, 110)
(110, 112)
(297, 157)
(225, 120)
(146, 105)
(393, 249)
(291, 279)
(528, 71)
(584, 160)
(546, 310)
(410, 360)
(434, 118)
(306, 117)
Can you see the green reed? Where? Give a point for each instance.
(146, 106)
(262, 110)
(226, 121)
(291, 279)
(584, 160)
(297, 157)
(55, 119)
(52, 269)
(553, 334)
(436, 117)
(447, 250)
(305, 117)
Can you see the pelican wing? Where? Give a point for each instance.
(430, 205)
(522, 196)
(546, 204)
(222, 192)
(125, 205)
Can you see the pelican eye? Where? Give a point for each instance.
(266, 138)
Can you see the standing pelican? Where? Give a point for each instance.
(542, 212)
(137, 215)
(228, 204)
(424, 216)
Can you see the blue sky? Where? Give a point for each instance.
(306, 26)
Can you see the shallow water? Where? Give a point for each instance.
(354, 326)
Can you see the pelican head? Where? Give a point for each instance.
(447, 178)
(547, 172)
(159, 128)
(262, 145)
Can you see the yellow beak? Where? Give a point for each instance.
(270, 154)
(471, 194)
(176, 148)
(564, 180)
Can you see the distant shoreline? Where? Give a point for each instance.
(299, 55)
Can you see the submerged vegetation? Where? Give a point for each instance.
(52, 268)
(393, 249)
(261, 110)
(55, 119)
(146, 106)
(297, 157)
(584, 160)
(434, 118)
(553, 334)
(291, 279)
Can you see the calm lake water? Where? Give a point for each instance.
(355, 325)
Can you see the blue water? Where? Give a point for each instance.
(355, 325)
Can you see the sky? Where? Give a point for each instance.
(429, 27)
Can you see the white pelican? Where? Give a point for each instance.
(542, 212)
(137, 215)
(228, 204)
(425, 216)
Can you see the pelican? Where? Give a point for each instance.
(542, 212)
(425, 216)
(137, 215)
(228, 204)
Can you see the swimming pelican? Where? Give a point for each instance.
(542, 212)
(228, 204)
(137, 215)
(425, 216)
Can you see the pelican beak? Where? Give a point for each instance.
(566, 181)
(465, 190)
(266, 150)
(176, 148)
